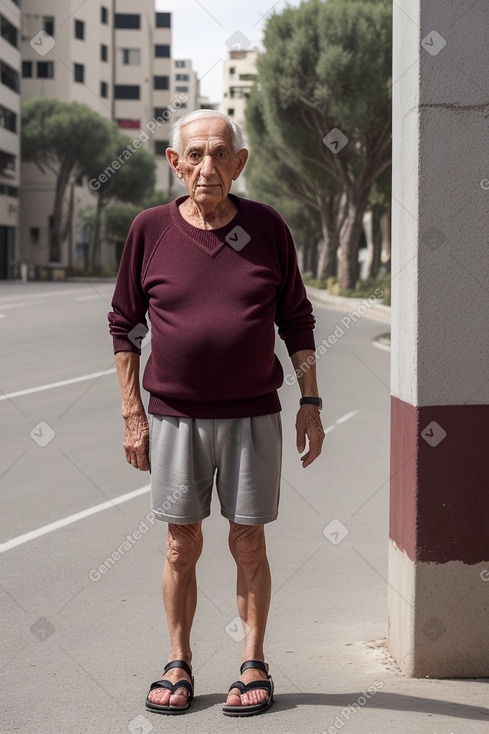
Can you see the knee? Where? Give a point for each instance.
(184, 544)
(247, 544)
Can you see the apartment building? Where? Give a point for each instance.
(10, 61)
(239, 75)
(114, 56)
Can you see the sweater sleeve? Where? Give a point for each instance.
(294, 316)
(127, 320)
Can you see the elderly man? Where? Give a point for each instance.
(214, 272)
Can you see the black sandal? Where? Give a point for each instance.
(267, 685)
(160, 709)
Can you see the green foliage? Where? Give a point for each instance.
(327, 65)
(62, 135)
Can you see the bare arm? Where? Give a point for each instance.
(136, 439)
(308, 422)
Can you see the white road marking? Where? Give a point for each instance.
(346, 417)
(8, 306)
(21, 539)
(51, 385)
(343, 419)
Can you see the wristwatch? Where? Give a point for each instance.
(311, 401)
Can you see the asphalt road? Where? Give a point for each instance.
(84, 636)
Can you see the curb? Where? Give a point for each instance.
(377, 311)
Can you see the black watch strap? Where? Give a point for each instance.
(311, 401)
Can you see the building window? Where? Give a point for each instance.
(7, 164)
(161, 82)
(181, 89)
(79, 73)
(104, 52)
(161, 146)
(104, 90)
(163, 20)
(8, 31)
(79, 29)
(35, 234)
(179, 64)
(9, 76)
(182, 77)
(232, 70)
(26, 69)
(126, 91)
(247, 77)
(127, 20)
(162, 112)
(230, 111)
(104, 15)
(162, 51)
(48, 24)
(239, 92)
(131, 56)
(45, 69)
(8, 119)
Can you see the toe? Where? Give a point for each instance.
(234, 698)
(159, 696)
(179, 698)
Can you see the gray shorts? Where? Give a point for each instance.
(244, 455)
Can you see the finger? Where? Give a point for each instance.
(142, 460)
(315, 446)
(301, 439)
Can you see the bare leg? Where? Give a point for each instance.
(248, 546)
(183, 548)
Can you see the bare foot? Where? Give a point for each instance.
(164, 697)
(258, 695)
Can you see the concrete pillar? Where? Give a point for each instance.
(439, 516)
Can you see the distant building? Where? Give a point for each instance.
(239, 76)
(113, 55)
(10, 62)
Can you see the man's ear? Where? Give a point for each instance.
(242, 157)
(172, 156)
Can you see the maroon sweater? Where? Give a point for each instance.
(212, 298)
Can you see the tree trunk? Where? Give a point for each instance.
(350, 238)
(385, 227)
(327, 262)
(95, 238)
(375, 244)
(57, 232)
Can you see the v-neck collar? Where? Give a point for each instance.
(210, 241)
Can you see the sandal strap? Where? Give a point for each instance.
(174, 686)
(258, 664)
(244, 688)
(178, 664)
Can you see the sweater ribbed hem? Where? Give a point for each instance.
(298, 342)
(261, 405)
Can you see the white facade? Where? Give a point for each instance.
(114, 56)
(10, 61)
(239, 75)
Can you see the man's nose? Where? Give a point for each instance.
(207, 168)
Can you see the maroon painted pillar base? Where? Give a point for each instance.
(439, 539)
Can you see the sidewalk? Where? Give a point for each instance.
(377, 311)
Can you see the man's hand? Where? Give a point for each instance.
(308, 424)
(136, 441)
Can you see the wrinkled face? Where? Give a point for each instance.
(208, 162)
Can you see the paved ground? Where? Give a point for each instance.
(80, 646)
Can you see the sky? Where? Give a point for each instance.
(203, 31)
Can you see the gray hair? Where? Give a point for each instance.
(237, 135)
